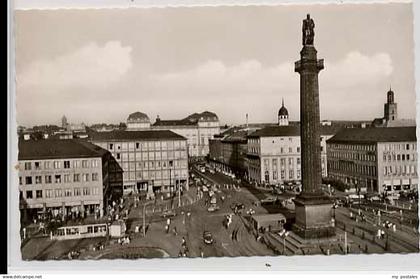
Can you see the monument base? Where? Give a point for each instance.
(313, 216)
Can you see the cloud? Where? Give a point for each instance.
(253, 87)
(91, 66)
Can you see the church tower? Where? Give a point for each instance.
(283, 117)
(390, 107)
(64, 122)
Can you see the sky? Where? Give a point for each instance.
(100, 65)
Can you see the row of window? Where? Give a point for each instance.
(399, 157)
(154, 175)
(282, 175)
(399, 146)
(58, 178)
(353, 156)
(358, 147)
(282, 162)
(175, 164)
(150, 156)
(351, 167)
(57, 193)
(151, 145)
(400, 170)
(59, 164)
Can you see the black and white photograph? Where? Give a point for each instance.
(216, 131)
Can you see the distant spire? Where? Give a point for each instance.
(282, 102)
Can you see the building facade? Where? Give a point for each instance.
(379, 159)
(64, 177)
(197, 128)
(274, 154)
(152, 161)
(229, 153)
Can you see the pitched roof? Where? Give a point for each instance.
(288, 131)
(135, 135)
(393, 134)
(192, 119)
(57, 149)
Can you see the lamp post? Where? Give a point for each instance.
(144, 218)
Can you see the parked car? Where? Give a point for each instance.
(168, 213)
(213, 208)
(269, 200)
(208, 237)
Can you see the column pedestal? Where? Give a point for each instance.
(313, 216)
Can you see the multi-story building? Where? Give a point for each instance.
(64, 176)
(153, 161)
(379, 159)
(197, 128)
(274, 154)
(228, 152)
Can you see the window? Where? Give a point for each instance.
(66, 164)
(291, 174)
(137, 145)
(94, 177)
(95, 163)
(76, 177)
(39, 194)
(28, 180)
(77, 191)
(298, 161)
(408, 157)
(29, 194)
(76, 164)
(275, 177)
(298, 150)
(67, 192)
(66, 178)
(28, 166)
(38, 179)
(58, 193)
(84, 164)
(48, 179)
(398, 157)
(118, 156)
(95, 191)
(282, 174)
(290, 150)
(20, 180)
(85, 177)
(403, 157)
(407, 147)
(47, 165)
(37, 166)
(49, 193)
(58, 178)
(111, 146)
(57, 164)
(86, 191)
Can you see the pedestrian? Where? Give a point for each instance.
(166, 228)
(184, 242)
(175, 231)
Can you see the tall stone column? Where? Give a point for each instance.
(312, 206)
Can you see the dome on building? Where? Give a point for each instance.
(283, 111)
(138, 117)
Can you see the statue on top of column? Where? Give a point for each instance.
(308, 31)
